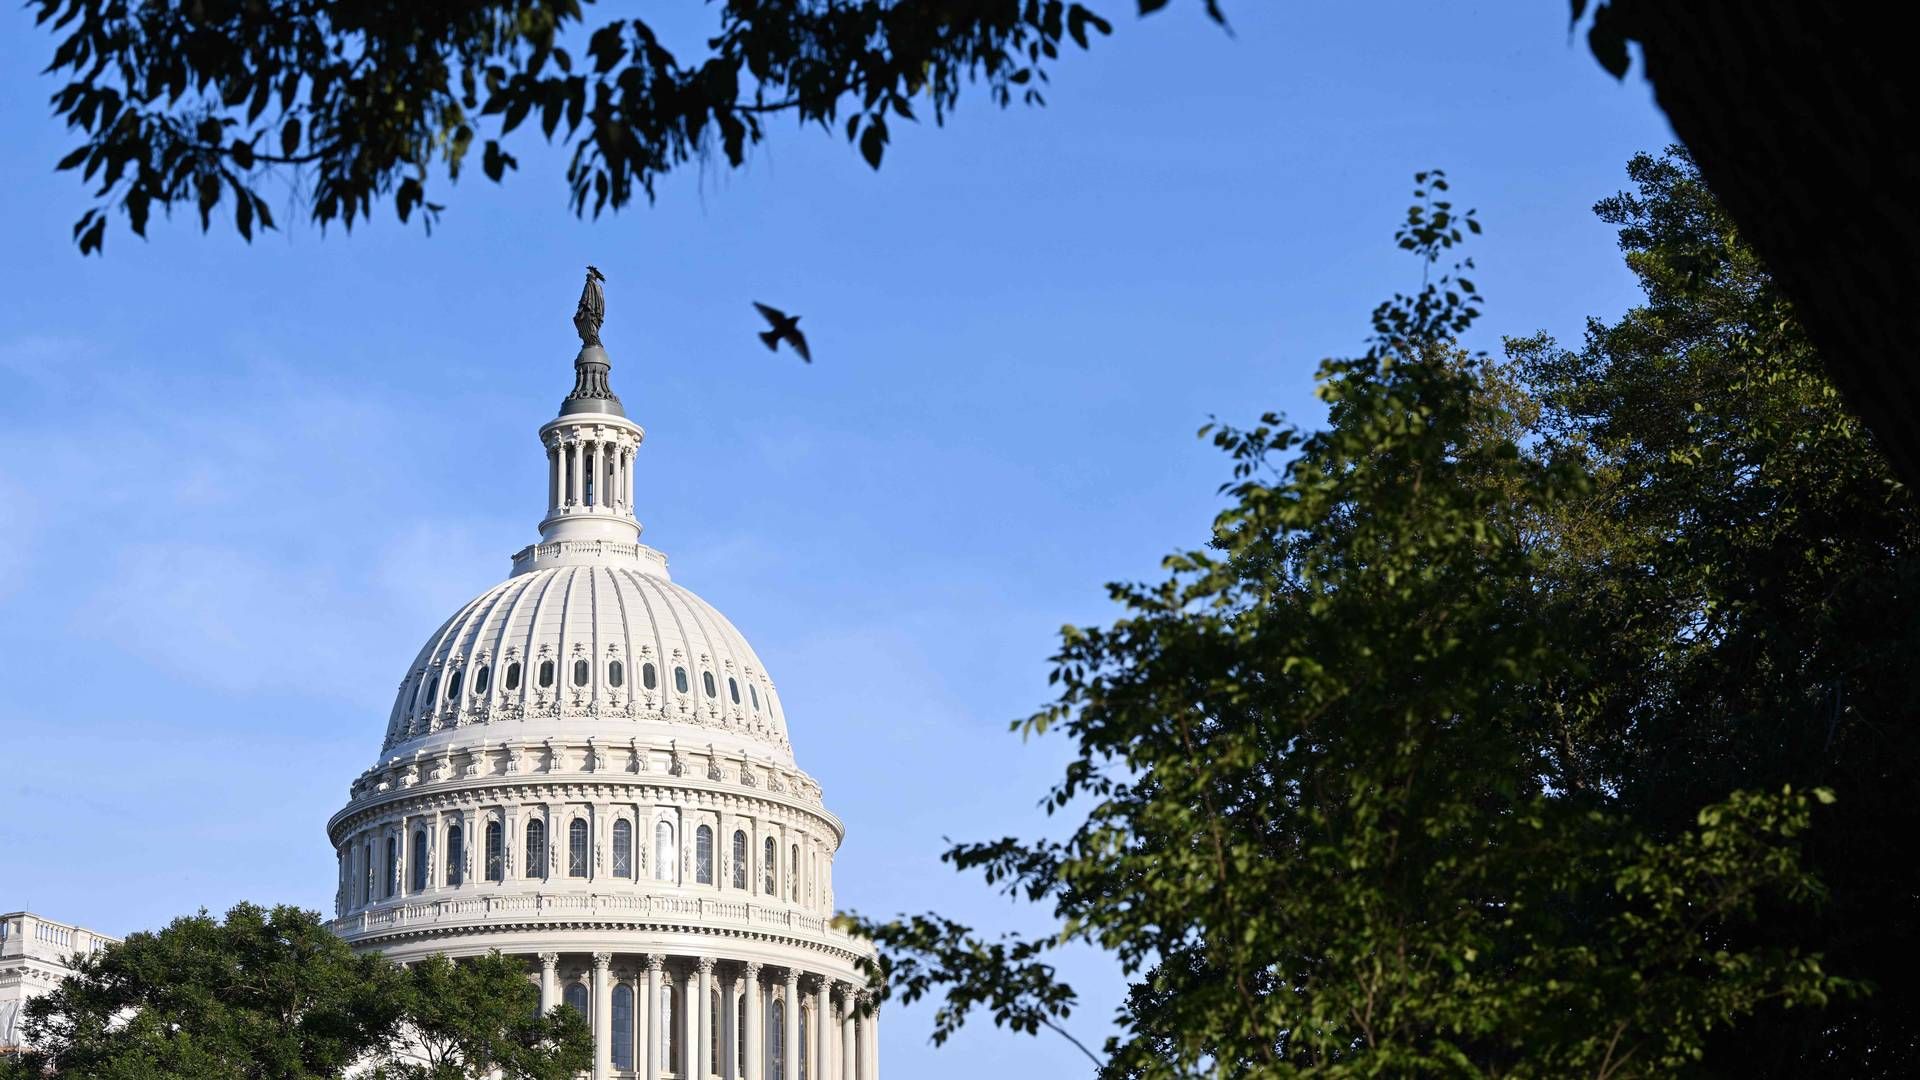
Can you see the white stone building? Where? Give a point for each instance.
(33, 959)
(588, 766)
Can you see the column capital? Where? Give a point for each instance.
(602, 961)
(655, 962)
(793, 978)
(752, 969)
(704, 964)
(549, 960)
(816, 984)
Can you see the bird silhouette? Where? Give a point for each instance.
(785, 328)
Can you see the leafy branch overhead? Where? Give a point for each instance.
(354, 103)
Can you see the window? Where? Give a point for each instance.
(453, 687)
(536, 848)
(703, 855)
(647, 677)
(733, 689)
(419, 688)
(680, 679)
(667, 1027)
(793, 875)
(706, 679)
(366, 860)
(582, 671)
(666, 860)
(546, 673)
(393, 857)
(575, 998)
(513, 676)
(713, 1030)
(496, 852)
(806, 1040)
(767, 858)
(623, 848)
(456, 856)
(776, 1037)
(577, 848)
(754, 693)
(433, 692)
(739, 859)
(740, 1027)
(616, 674)
(419, 860)
(482, 678)
(623, 1027)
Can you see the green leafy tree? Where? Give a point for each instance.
(271, 994)
(1744, 570)
(1319, 822)
(479, 1018)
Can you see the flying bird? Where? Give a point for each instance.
(785, 328)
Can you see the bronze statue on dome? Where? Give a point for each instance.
(592, 310)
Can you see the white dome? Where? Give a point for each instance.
(611, 649)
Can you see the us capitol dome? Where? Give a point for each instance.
(588, 766)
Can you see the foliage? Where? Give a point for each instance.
(480, 1017)
(271, 993)
(1332, 813)
(201, 103)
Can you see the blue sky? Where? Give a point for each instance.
(242, 483)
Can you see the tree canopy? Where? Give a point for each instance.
(1537, 717)
(271, 994)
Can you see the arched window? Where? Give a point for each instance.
(456, 856)
(577, 848)
(739, 859)
(703, 855)
(393, 859)
(706, 679)
(419, 860)
(616, 674)
(496, 852)
(733, 689)
(776, 1037)
(667, 1028)
(453, 687)
(713, 1031)
(433, 692)
(536, 848)
(366, 860)
(575, 997)
(806, 1040)
(648, 678)
(623, 848)
(767, 858)
(740, 1028)
(482, 678)
(793, 875)
(513, 676)
(582, 671)
(754, 693)
(419, 688)
(666, 859)
(546, 673)
(680, 679)
(623, 1027)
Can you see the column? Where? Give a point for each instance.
(650, 1047)
(790, 1038)
(849, 1014)
(549, 982)
(756, 1058)
(555, 456)
(602, 1017)
(730, 1025)
(817, 1049)
(630, 453)
(599, 483)
(704, 1046)
(870, 1044)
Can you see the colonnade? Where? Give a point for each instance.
(573, 460)
(839, 1044)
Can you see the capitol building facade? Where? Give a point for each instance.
(588, 766)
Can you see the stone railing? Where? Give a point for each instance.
(455, 913)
